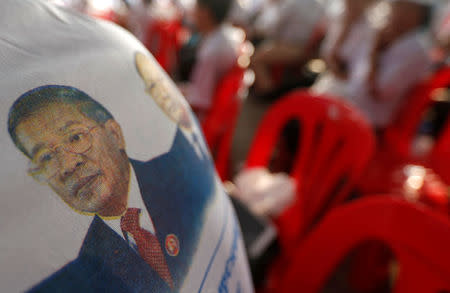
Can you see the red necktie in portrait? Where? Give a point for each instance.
(147, 244)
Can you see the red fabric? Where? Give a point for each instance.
(335, 144)
(162, 40)
(147, 243)
(219, 123)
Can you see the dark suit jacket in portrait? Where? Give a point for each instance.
(176, 188)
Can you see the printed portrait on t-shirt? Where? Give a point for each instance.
(152, 214)
(107, 184)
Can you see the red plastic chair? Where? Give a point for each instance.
(388, 172)
(401, 133)
(219, 123)
(335, 144)
(418, 237)
(384, 172)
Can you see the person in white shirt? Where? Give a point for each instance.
(286, 26)
(376, 56)
(217, 53)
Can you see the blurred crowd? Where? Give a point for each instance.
(371, 53)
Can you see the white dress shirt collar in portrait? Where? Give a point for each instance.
(134, 201)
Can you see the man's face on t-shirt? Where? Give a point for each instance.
(83, 161)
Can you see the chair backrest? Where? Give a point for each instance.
(162, 40)
(220, 121)
(418, 237)
(400, 135)
(335, 144)
(440, 155)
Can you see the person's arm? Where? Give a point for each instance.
(353, 9)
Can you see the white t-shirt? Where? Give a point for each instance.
(51, 241)
(216, 55)
(401, 66)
